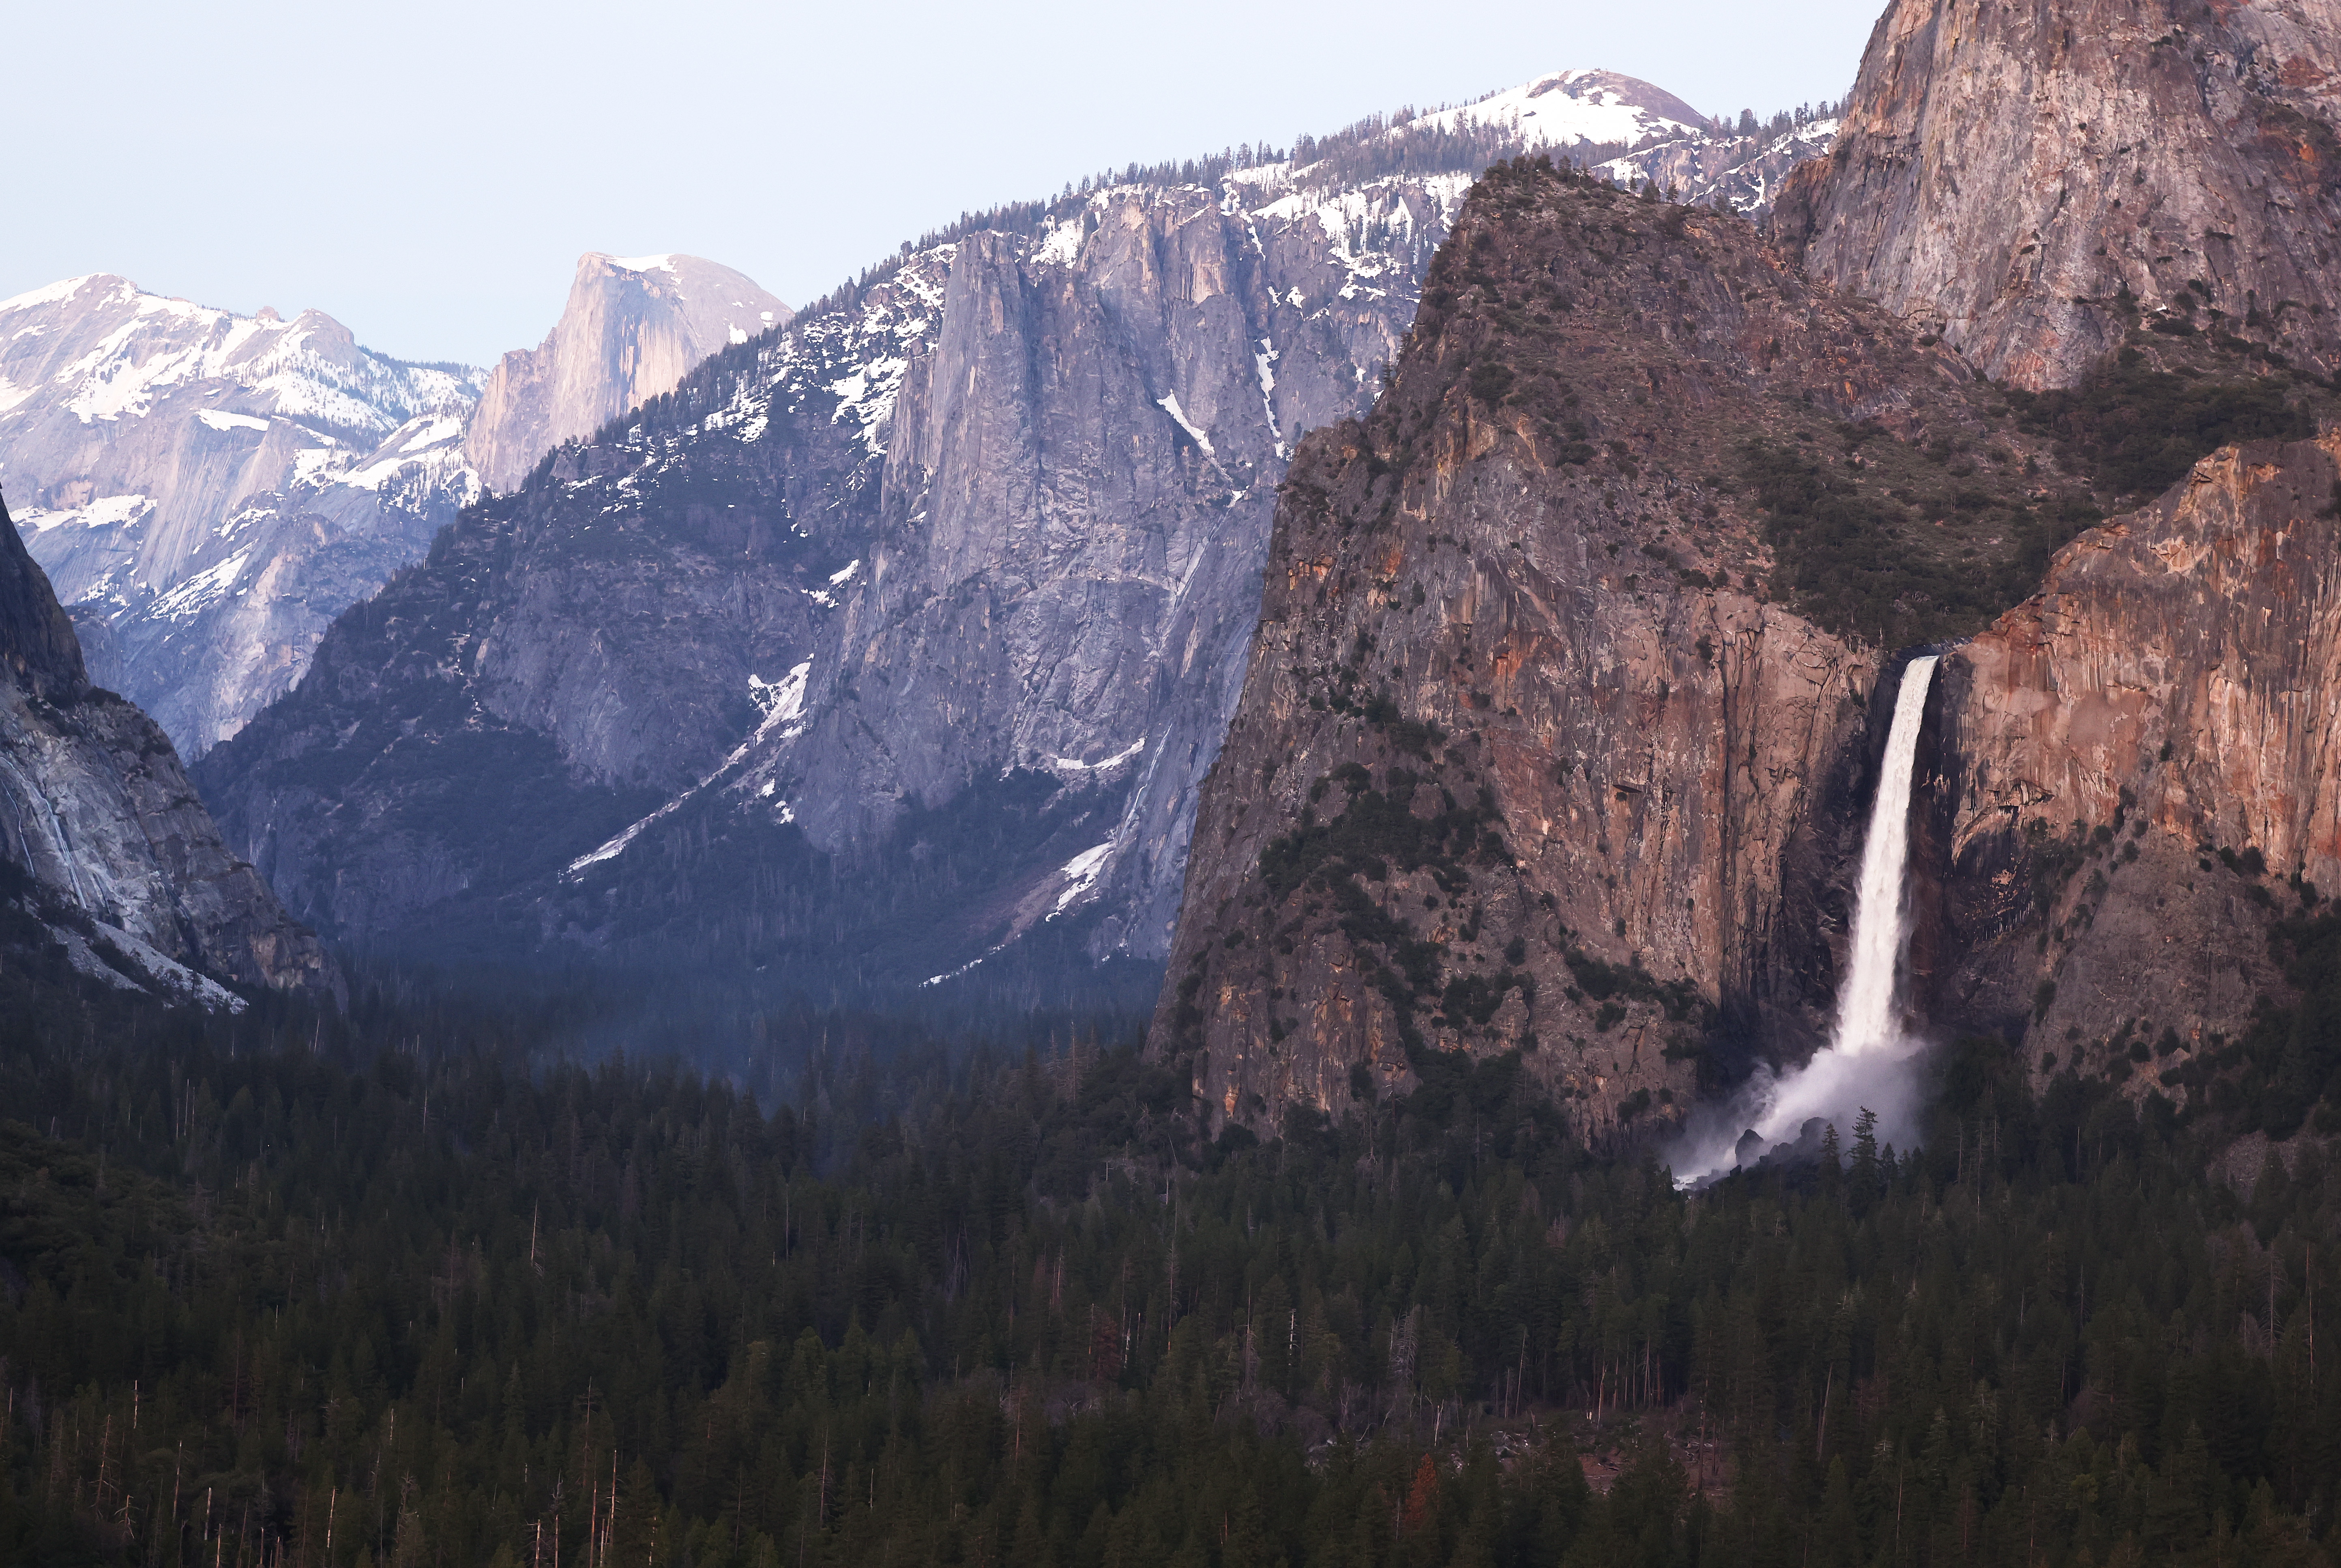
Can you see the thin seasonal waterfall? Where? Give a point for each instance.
(1867, 1065)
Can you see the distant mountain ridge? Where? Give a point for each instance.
(208, 490)
(1570, 109)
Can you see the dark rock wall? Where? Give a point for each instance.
(94, 806)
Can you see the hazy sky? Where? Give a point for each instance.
(429, 172)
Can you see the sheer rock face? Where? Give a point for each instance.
(630, 330)
(94, 808)
(2006, 172)
(1018, 486)
(207, 491)
(1522, 760)
(1076, 499)
(2175, 684)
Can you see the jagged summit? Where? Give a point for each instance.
(97, 350)
(631, 327)
(208, 490)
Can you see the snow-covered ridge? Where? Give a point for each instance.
(851, 355)
(105, 349)
(1627, 128)
(165, 458)
(1571, 109)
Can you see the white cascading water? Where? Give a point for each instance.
(1865, 1011)
(1865, 1063)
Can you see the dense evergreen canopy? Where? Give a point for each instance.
(295, 1289)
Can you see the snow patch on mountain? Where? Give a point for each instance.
(193, 595)
(1081, 874)
(781, 702)
(1067, 766)
(867, 395)
(106, 512)
(1570, 109)
(1169, 402)
(1062, 246)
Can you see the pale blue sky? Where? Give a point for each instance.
(429, 172)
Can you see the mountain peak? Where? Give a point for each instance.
(632, 326)
(1570, 109)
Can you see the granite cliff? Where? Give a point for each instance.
(106, 851)
(2028, 180)
(1487, 791)
(2138, 776)
(978, 539)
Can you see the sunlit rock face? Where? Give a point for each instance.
(1536, 750)
(2172, 691)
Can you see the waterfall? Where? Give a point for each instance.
(1867, 1062)
(1865, 1013)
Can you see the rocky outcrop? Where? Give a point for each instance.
(2139, 765)
(96, 815)
(207, 491)
(2028, 180)
(1744, 172)
(1542, 746)
(631, 328)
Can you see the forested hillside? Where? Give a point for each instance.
(292, 1289)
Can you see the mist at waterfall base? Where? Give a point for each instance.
(1871, 1062)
